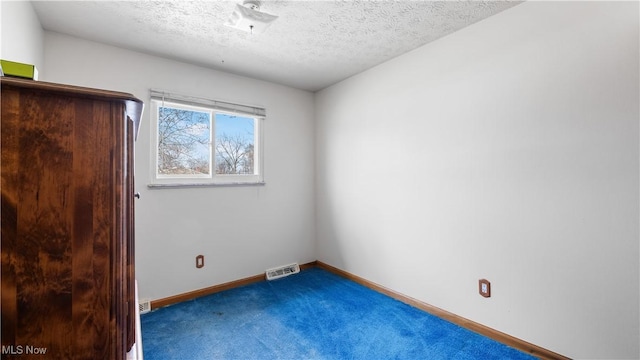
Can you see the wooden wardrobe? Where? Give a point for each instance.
(67, 221)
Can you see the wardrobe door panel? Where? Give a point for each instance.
(67, 221)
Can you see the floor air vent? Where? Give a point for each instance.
(144, 306)
(282, 271)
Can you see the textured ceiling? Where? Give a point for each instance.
(312, 44)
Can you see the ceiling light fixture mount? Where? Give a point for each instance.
(252, 4)
(248, 17)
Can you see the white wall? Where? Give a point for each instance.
(241, 231)
(507, 151)
(21, 36)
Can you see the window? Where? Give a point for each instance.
(204, 142)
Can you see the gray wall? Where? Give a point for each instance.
(21, 36)
(241, 231)
(508, 151)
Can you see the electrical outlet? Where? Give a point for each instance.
(484, 287)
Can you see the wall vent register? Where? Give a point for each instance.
(282, 271)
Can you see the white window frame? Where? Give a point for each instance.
(162, 98)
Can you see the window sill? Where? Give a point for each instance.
(202, 185)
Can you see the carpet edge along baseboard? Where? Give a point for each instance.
(215, 289)
(496, 335)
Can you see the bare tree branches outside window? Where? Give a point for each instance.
(183, 141)
(234, 144)
(186, 146)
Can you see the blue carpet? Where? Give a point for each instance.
(311, 315)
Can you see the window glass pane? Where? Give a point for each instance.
(184, 138)
(235, 143)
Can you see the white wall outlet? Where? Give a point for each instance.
(484, 287)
